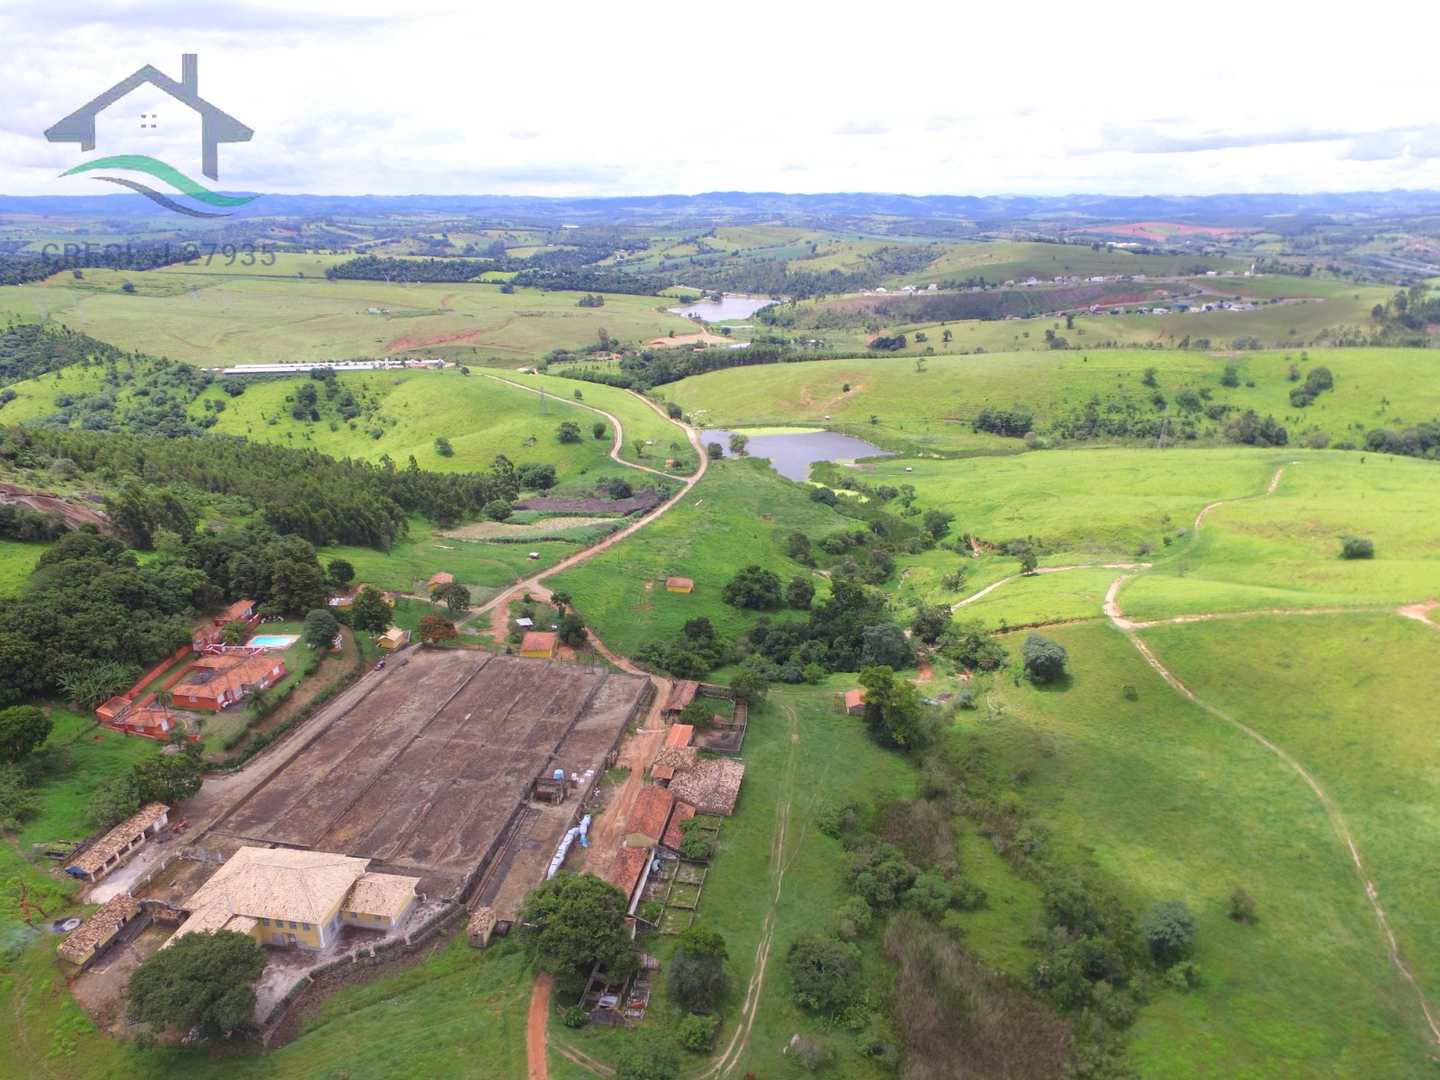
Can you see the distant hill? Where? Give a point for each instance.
(1240, 209)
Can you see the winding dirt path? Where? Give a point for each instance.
(1048, 570)
(535, 1022)
(1419, 612)
(1269, 490)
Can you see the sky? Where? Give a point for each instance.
(641, 98)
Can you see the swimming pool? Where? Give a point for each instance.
(273, 641)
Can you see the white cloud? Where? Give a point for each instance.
(572, 98)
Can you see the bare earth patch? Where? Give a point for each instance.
(500, 530)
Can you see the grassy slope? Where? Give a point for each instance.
(1164, 801)
(1282, 550)
(739, 514)
(639, 421)
(933, 409)
(1325, 690)
(480, 417)
(17, 560)
(227, 318)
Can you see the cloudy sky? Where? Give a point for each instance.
(558, 98)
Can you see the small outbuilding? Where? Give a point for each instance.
(436, 580)
(679, 585)
(539, 645)
(91, 937)
(649, 817)
(394, 638)
(119, 843)
(682, 693)
(855, 702)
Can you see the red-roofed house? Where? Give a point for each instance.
(241, 611)
(682, 693)
(679, 735)
(679, 585)
(216, 682)
(855, 702)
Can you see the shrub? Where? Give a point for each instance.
(1357, 547)
(799, 593)
(574, 1017)
(697, 848)
(853, 919)
(753, 587)
(810, 1053)
(930, 895)
(824, 973)
(1169, 932)
(644, 1055)
(1242, 906)
(1044, 659)
(1184, 977)
(697, 1033)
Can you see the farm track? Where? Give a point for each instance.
(1419, 612)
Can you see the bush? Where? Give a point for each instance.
(644, 1055)
(1169, 932)
(753, 587)
(1357, 547)
(853, 919)
(696, 978)
(697, 848)
(1242, 907)
(1184, 977)
(824, 973)
(930, 895)
(574, 1017)
(1044, 659)
(697, 1033)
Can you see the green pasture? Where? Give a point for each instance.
(740, 513)
(484, 567)
(1282, 550)
(662, 439)
(221, 318)
(482, 418)
(1002, 261)
(1325, 690)
(933, 409)
(17, 560)
(1161, 800)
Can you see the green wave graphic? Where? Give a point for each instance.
(161, 171)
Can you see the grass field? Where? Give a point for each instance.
(1164, 801)
(739, 514)
(663, 440)
(213, 318)
(932, 409)
(17, 560)
(1016, 260)
(1282, 550)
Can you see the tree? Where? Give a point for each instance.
(297, 583)
(931, 620)
(714, 451)
(169, 778)
(498, 509)
(434, 629)
(1169, 931)
(454, 596)
(536, 477)
(320, 629)
(893, 712)
(1357, 547)
(797, 546)
(443, 447)
(22, 729)
(738, 443)
(1044, 659)
(696, 974)
(1242, 907)
(560, 599)
(568, 432)
(18, 803)
(930, 895)
(1231, 376)
(750, 680)
(824, 972)
(114, 801)
(799, 593)
(571, 630)
(885, 644)
(341, 572)
(753, 587)
(599, 430)
(937, 522)
(972, 647)
(370, 613)
(203, 979)
(575, 921)
(698, 714)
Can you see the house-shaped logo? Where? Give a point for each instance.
(215, 127)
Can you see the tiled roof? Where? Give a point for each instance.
(279, 883)
(99, 928)
(651, 813)
(118, 838)
(539, 641)
(382, 894)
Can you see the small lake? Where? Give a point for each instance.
(791, 453)
(726, 310)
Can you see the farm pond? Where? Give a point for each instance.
(724, 310)
(793, 450)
